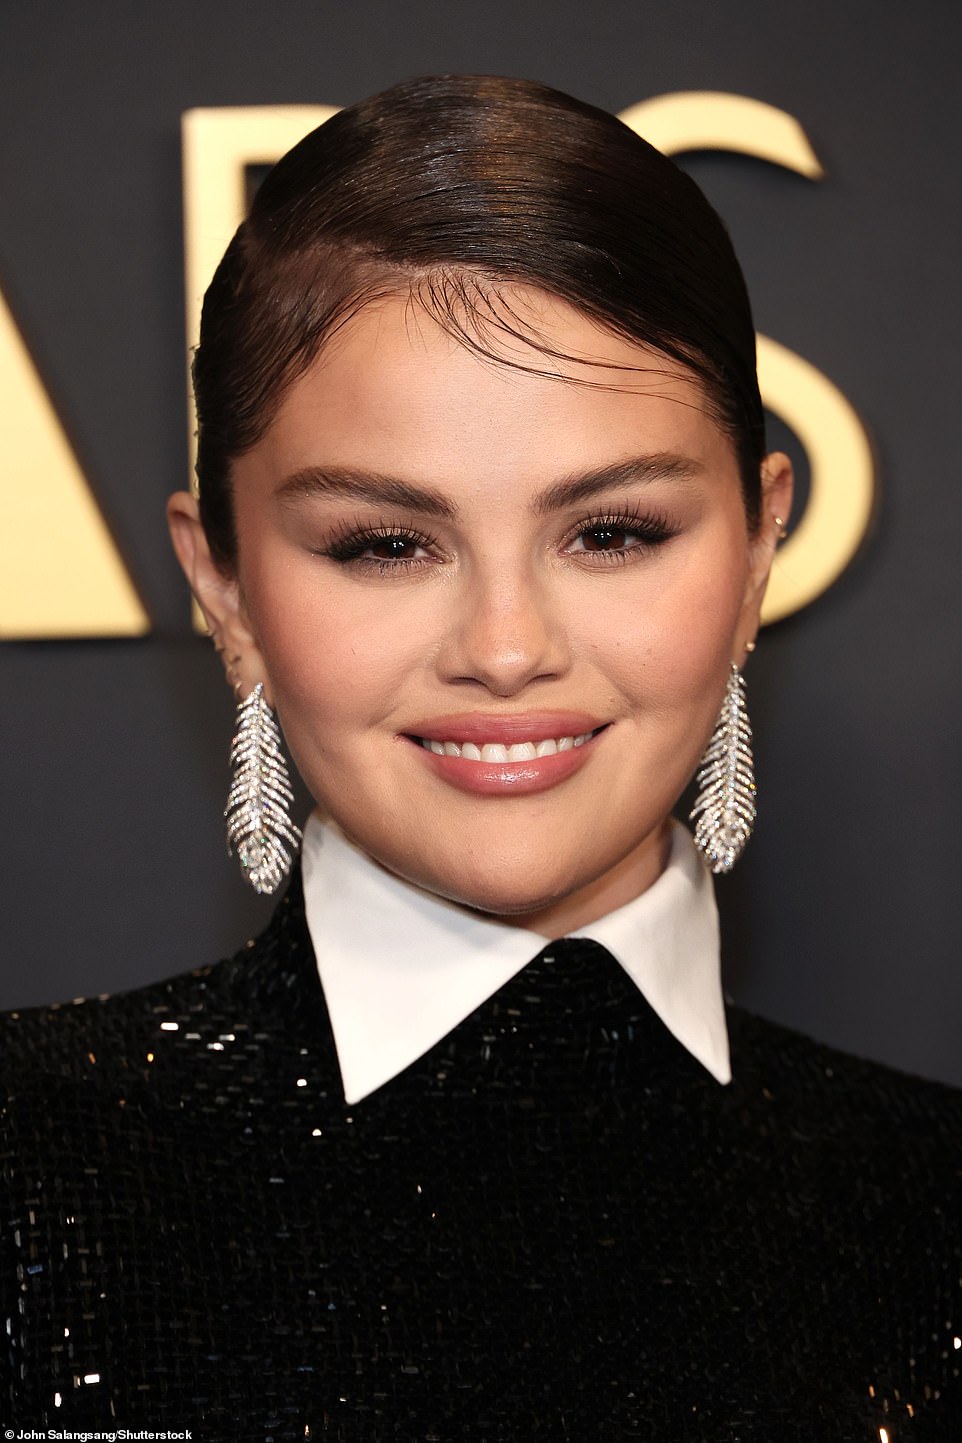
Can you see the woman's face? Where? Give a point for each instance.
(496, 610)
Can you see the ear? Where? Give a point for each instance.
(777, 482)
(218, 595)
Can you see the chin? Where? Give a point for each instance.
(506, 888)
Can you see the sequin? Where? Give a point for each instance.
(555, 1225)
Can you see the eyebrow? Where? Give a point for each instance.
(638, 470)
(322, 481)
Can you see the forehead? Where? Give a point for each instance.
(532, 389)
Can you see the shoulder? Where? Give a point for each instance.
(760, 1044)
(869, 1113)
(70, 1037)
(120, 1033)
(858, 1163)
(96, 1095)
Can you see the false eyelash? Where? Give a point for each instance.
(651, 528)
(349, 541)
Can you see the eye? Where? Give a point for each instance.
(616, 536)
(391, 548)
(385, 547)
(605, 538)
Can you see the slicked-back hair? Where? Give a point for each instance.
(447, 189)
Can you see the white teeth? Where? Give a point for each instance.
(522, 752)
(498, 752)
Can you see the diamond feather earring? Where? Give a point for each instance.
(259, 826)
(725, 805)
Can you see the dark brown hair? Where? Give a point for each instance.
(446, 187)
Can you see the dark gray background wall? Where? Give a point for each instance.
(843, 919)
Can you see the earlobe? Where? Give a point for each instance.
(218, 595)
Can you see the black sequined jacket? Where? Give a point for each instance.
(555, 1225)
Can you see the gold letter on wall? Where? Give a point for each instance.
(219, 145)
(841, 479)
(60, 574)
(839, 456)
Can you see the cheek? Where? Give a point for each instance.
(336, 663)
(669, 648)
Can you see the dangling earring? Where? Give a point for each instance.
(259, 826)
(725, 806)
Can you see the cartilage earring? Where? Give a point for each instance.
(259, 826)
(725, 805)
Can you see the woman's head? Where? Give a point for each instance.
(480, 465)
(448, 189)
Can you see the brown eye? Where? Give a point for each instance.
(383, 548)
(605, 538)
(393, 548)
(622, 538)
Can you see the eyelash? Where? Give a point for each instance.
(348, 545)
(650, 529)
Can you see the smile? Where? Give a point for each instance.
(507, 756)
(528, 751)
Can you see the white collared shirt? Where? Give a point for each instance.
(401, 967)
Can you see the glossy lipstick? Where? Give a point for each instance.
(493, 755)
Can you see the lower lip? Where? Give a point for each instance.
(518, 779)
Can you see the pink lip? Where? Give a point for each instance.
(507, 778)
(533, 726)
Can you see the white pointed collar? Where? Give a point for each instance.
(401, 967)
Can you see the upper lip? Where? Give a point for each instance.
(487, 727)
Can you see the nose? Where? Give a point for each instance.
(505, 631)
